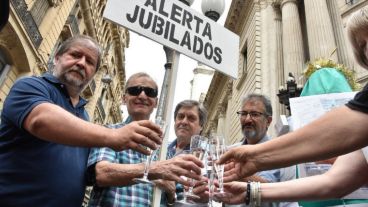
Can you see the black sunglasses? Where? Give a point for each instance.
(136, 90)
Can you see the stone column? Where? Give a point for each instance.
(292, 40)
(278, 108)
(221, 121)
(271, 47)
(337, 26)
(321, 39)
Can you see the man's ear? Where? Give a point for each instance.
(156, 102)
(124, 99)
(55, 60)
(269, 120)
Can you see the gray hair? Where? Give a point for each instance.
(138, 75)
(202, 112)
(358, 24)
(258, 97)
(67, 44)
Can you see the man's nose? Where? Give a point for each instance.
(142, 94)
(184, 120)
(82, 61)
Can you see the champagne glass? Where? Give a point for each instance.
(159, 121)
(185, 200)
(198, 147)
(218, 148)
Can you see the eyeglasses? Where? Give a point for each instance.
(252, 114)
(136, 90)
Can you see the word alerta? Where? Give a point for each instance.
(163, 27)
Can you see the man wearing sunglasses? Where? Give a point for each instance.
(255, 117)
(115, 171)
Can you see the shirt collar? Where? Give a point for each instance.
(55, 81)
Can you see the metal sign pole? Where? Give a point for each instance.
(165, 106)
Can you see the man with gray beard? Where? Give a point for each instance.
(255, 118)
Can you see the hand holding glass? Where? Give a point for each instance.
(198, 146)
(149, 159)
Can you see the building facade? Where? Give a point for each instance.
(37, 27)
(278, 37)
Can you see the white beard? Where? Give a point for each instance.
(250, 134)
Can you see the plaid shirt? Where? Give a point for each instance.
(171, 152)
(138, 195)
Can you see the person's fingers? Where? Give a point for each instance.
(226, 157)
(198, 189)
(196, 163)
(184, 181)
(139, 148)
(203, 181)
(231, 177)
(147, 137)
(229, 166)
(222, 197)
(154, 131)
(230, 172)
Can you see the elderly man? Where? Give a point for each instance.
(189, 117)
(44, 132)
(255, 118)
(115, 171)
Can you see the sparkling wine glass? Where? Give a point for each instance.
(198, 147)
(217, 149)
(159, 121)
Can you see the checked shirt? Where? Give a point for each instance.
(138, 195)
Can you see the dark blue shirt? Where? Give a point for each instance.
(34, 172)
(360, 101)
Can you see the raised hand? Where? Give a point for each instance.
(201, 189)
(182, 165)
(234, 193)
(239, 163)
(168, 186)
(136, 136)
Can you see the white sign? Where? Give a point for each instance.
(181, 28)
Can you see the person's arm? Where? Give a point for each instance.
(52, 123)
(344, 177)
(116, 174)
(340, 131)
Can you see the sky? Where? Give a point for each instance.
(145, 55)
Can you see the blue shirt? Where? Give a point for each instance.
(35, 172)
(171, 152)
(138, 195)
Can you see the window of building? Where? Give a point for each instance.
(351, 2)
(39, 10)
(244, 67)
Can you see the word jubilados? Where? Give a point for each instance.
(163, 27)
